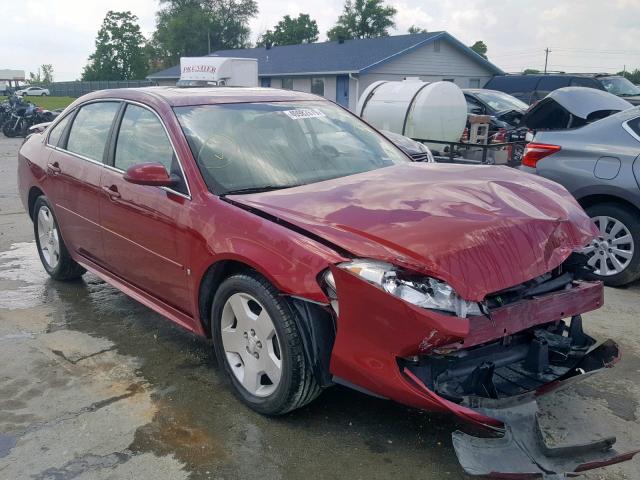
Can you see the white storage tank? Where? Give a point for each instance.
(416, 109)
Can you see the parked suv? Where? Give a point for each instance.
(531, 88)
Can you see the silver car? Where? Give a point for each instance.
(593, 151)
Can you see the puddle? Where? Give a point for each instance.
(192, 416)
(22, 278)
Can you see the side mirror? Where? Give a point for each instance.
(153, 174)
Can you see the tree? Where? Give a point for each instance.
(530, 71)
(35, 78)
(47, 73)
(198, 27)
(414, 30)
(363, 19)
(291, 31)
(42, 76)
(119, 53)
(633, 77)
(480, 48)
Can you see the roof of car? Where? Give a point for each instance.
(185, 96)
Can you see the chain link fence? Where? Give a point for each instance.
(77, 89)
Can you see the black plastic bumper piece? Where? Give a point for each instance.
(522, 451)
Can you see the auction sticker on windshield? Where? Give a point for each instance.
(302, 113)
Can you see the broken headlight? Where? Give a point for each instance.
(425, 292)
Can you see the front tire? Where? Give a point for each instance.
(615, 253)
(53, 252)
(259, 347)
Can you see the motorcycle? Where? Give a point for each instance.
(24, 115)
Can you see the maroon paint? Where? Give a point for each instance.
(481, 229)
(153, 174)
(478, 228)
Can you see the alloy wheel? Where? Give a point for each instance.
(251, 344)
(612, 251)
(48, 237)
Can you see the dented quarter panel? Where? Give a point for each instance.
(479, 228)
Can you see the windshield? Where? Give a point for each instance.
(500, 102)
(619, 86)
(262, 146)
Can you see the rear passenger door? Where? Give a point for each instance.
(79, 143)
(145, 227)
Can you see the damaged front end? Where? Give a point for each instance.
(485, 366)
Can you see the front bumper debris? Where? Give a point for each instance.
(521, 450)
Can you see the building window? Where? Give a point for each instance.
(452, 80)
(317, 86)
(287, 83)
(474, 83)
(436, 45)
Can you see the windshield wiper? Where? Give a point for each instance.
(265, 188)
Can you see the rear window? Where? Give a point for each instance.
(58, 129)
(90, 129)
(634, 125)
(511, 84)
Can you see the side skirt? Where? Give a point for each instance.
(141, 296)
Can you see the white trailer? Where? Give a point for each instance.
(220, 71)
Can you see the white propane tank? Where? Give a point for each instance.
(416, 109)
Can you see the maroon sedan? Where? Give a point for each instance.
(313, 252)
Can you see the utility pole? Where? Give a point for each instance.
(209, 41)
(546, 59)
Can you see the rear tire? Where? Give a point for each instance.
(238, 307)
(53, 252)
(626, 242)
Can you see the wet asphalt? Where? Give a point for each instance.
(93, 385)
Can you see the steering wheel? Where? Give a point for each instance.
(218, 157)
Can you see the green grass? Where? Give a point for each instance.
(48, 103)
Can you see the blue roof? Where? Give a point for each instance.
(350, 56)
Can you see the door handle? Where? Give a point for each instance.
(112, 191)
(54, 168)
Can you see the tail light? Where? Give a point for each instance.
(534, 152)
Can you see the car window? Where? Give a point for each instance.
(500, 101)
(550, 83)
(473, 106)
(58, 130)
(619, 86)
(243, 147)
(515, 83)
(634, 125)
(584, 82)
(90, 129)
(141, 139)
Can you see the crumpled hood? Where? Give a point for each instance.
(479, 228)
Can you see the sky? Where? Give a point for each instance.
(582, 35)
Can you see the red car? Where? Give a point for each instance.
(313, 251)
